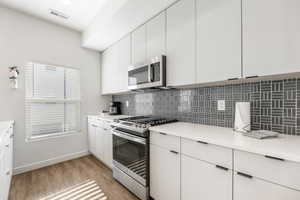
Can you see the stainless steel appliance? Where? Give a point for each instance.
(115, 108)
(150, 75)
(131, 152)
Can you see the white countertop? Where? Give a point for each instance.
(285, 146)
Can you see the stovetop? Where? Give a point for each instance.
(141, 124)
(148, 120)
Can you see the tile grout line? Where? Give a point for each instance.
(297, 109)
(283, 107)
(260, 114)
(271, 97)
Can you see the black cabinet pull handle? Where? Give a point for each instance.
(232, 79)
(245, 175)
(221, 167)
(162, 133)
(201, 142)
(251, 77)
(274, 158)
(175, 152)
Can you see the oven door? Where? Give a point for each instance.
(130, 154)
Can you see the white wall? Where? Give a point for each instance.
(22, 39)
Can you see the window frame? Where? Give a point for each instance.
(29, 137)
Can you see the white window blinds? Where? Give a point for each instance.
(52, 100)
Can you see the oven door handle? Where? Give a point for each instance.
(128, 137)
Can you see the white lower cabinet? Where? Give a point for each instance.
(202, 180)
(6, 162)
(164, 173)
(92, 137)
(107, 147)
(100, 141)
(249, 188)
(184, 169)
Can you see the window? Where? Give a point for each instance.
(52, 104)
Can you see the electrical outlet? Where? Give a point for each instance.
(127, 104)
(221, 105)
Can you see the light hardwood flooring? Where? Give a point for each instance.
(49, 180)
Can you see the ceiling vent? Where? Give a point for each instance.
(58, 14)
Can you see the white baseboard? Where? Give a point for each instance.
(52, 161)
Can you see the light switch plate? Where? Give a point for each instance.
(127, 104)
(221, 105)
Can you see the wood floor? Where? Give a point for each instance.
(43, 182)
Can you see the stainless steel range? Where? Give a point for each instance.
(131, 152)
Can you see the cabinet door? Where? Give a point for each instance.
(247, 188)
(108, 148)
(164, 174)
(271, 40)
(2, 174)
(100, 143)
(139, 46)
(7, 164)
(181, 43)
(92, 138)
(124, 61)
(156, 36)
(107, 71)
(201, 180)
(218, 40)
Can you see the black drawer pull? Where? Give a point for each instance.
(248, 77)
(232, 79)
(201, 142)
(162, 133)
(274, 158)
(175, 152)
(245, 175)
(221, 167)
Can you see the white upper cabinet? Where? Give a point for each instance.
(271, 39)
(156, 36)
(124, 61)
(181, 43)
(139, 54)
(115, 63)
(109, 66)
(218, 40)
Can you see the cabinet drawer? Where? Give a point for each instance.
(166, 141)
(92, 119)
(246, 188)
(207, 152)
(272, 169)
(105, 124)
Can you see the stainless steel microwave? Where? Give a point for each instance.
(152, 75)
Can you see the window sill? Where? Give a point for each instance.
(51, 136)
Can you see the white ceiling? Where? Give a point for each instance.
(124, 18)
(80, 12)
(102, 22)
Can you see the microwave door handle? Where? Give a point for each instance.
(128, 137)
(151, 73)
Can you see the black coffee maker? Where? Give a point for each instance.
(115, 108)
